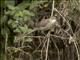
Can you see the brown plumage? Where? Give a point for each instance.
(47, 23)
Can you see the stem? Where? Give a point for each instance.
(52, 9)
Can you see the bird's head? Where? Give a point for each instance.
(53, 20)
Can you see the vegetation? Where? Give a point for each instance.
(22, 39)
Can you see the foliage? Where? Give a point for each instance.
(14, 18)
(16, 15)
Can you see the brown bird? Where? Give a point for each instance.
(46, 24)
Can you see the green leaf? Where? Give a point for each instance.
(35, 4)
(19, 14)
(10, 2)
(29, 13)
(23, 5)
(17, 30)
(12, 23)
(11, 7)
(23, 29)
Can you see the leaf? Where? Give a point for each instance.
(10, 2)
(17, 30)
(11, 7)
(13, 23)
(19, 14)
(23, 29)
(29, 13)
(35, 4)
(23, 5)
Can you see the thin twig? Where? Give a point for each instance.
(38, 46)
(77, 51)
(52, 9)
(43, 47)
(6, 45)
(63, 19)
(57, 50)
(47, 46)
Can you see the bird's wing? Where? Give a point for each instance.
(43, 23)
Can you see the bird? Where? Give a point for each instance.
(46, 24)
